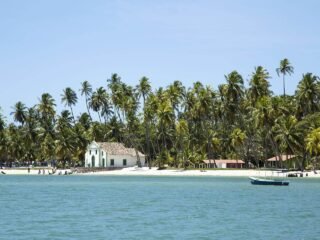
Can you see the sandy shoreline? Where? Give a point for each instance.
(132, 171)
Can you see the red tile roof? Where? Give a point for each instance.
(283, 157)
(115, 148)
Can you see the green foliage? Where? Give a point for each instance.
(174, 126)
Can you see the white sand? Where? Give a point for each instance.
(17, 171)
(134, 171)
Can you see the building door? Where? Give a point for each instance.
(93, 161)
(103, 162)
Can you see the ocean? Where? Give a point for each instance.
(135, 207)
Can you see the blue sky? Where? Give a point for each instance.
(46, 46)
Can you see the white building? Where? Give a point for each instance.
(111, 154)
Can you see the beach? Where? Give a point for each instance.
(145, 171)
(33, 171)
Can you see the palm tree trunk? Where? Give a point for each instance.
(74, 121)
(138, 157)
(284, 86)
(214, 163)
(304, 157)
(88, 108)
(99, 116)
(276, 148)
(148, 144)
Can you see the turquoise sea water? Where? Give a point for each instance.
(104, 207)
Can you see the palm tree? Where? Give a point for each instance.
(65, 144)
(304, 127)
(47, 147)
(98, 98)
(3, 139)
(234, 87)
(182, 138)
(15, 144)
(31, 134)
(307, 94)
(313, 144)
(165, 116)
(128, 101)
(114, 81)
(69, 98)
(150, 119)
(118, 94)
(210, 144)
(144, 89)
(20, 112)
(82, 141)
(163, 124)
(284, 69)
(216, 146)
(65, 119)
(175, 93)
(106, 108)
(259, 85)
(2, 122)
(86, 90)
(264, 116)
(288, 135)
(85, 121)
(46, 106)
(237, 140)
(116, 87)
(115, 130)
(47, 113)
(234, 92)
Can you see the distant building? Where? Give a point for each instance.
(224, 163)
(111, 154)
(288, 161)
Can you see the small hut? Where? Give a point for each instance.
(289, 161)
(223, 163)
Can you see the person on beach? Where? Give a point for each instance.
(43, 171)
(39, 172)
(28, 169)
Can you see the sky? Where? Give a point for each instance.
(46, 46)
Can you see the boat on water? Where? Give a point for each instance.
(262, 181)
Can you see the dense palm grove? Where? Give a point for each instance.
(173, 125)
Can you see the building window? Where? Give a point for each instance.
(124, 162)
(96, 152)
(111, 162)
(102, 153)
(90, 152)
